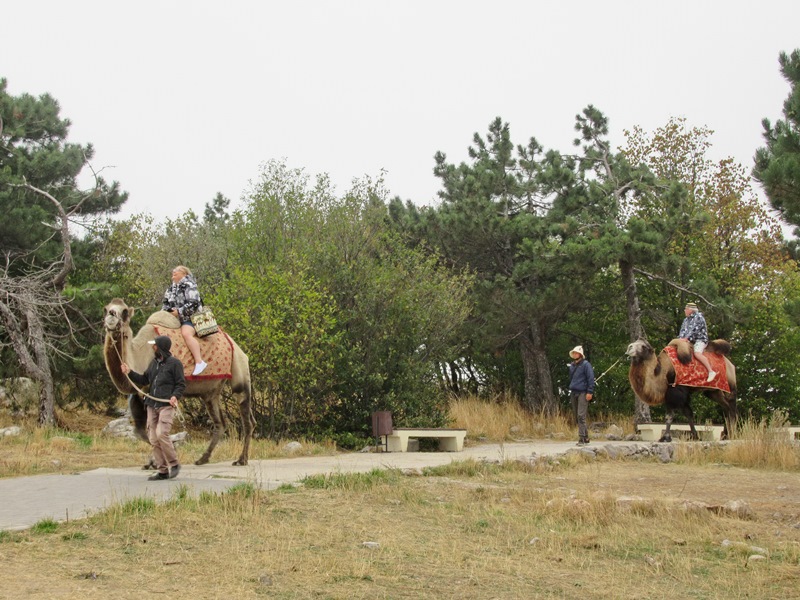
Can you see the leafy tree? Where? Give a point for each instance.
(777, 165)
(40, 200)
(137, 255)
(338, 316)
(492, 222)
(217, 210)
(728, 253)
(395, 308)
(34, 155)
(608, 188)
(289, 329)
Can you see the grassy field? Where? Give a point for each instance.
(570, 528)
(468, 531)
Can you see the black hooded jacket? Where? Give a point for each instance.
(164, 375)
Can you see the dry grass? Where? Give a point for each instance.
(497, 532)
(471, 530)
(503, 418)
(53, 450)
(759, 444)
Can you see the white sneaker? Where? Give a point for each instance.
(201, 366)
(711, 375)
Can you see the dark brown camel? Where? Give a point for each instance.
(652, 378)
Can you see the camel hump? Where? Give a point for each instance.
(720, 347)
(683, 349)
(162, 318)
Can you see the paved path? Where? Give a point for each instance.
(27, 500)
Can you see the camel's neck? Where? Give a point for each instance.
(649, 381)
(118, 349)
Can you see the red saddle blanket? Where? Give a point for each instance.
(217, 351)
(695, 374)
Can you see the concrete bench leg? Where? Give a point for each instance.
(449, 444)
(397, 442)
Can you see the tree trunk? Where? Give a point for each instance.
(539, 395)
(27, 336)
(47, 401)
(453, 378)
(635, 329)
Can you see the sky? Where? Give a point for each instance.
(182, 100)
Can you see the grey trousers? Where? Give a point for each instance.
(580, 408)
(159, 424)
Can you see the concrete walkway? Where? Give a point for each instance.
(27, 500)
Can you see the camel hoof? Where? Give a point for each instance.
(240, 463)
(666, 439)
(201, 461)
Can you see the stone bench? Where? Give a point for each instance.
(791, 432)
(450, 440)
(651, 432)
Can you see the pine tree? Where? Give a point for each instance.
(40, 201)
(777, 166)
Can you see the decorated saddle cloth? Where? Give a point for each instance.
(695, 374)
(217, 351)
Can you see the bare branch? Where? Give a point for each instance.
(674, 285)
(60, 279)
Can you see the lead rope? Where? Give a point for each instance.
(608, 369)
(178, 411)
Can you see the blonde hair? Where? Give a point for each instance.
(183, 269)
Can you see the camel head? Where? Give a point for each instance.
(116, 315)
(639, 351)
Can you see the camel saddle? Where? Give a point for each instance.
(695, 374)
(217, 349)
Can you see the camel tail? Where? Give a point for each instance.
(720, 347)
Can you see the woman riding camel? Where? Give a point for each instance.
(182, 299)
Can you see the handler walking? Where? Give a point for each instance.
(167, 383)
(581, 390)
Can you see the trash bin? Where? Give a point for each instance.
(382, 426)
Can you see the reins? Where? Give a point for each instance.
(609, 368)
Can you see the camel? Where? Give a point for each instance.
(653, 380)
(121, 346)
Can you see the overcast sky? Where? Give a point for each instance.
(187, 99)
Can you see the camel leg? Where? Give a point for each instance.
(213, 408)
(687, 410)
(666, 436)
(139, 416)
(731, 419)
(248, 425)
(728, 404)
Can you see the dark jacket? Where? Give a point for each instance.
(581, 377)
(164, 375)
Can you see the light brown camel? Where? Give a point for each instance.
(120, 345)
(652, 377)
